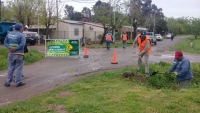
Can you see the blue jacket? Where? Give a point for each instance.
(182, 68)
(15, 39)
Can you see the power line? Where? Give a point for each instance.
(81, 1)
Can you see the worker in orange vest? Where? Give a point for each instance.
(109, 39)
(144, 46)
(124, 39)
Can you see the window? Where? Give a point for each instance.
(76, 32)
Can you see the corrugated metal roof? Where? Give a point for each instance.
(139, 28)
(72, 22)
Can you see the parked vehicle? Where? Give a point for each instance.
(31, 37)
(4, 26)
(168, 36)
(158, 37)
(153, 38)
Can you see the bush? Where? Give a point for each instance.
(161, 80)
(31, 57)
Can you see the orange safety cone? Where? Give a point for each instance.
(85, 52)
(114, 59)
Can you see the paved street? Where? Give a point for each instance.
(52, 72)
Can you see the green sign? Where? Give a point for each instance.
(62, 47)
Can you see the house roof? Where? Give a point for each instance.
(72, 22)
(81, 23)
(94, 24)
(138, 28)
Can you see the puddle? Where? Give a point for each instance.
(167, 56)
(161, 51)
(157, 55)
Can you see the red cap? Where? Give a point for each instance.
(178, 54)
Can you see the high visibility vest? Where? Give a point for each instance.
(142, 43)
(108, 37)
(124, 37)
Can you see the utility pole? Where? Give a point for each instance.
(57, 17)
(38, 25)
(154, 22)
(0, 9)
(114, 25)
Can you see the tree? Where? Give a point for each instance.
(69, 11)
(24, 11)
(48, 15)
(135, 15)
(195, 27)
(102, 14)
(87, 16)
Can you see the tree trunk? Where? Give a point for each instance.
(47, 32)
(104, 34)
(135, 30)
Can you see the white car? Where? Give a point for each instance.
(169, 35)
(158, 37)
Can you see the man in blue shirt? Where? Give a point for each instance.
(15, 42)
(182, 66)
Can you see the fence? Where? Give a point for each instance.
(94, 36)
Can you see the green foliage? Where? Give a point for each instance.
(31, 57)
(196, 73)
(185, 45)
(3, 57)
(195, 27)
(109, 92)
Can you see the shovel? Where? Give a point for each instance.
(157, 72)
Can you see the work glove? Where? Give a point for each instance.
(166, 72)
(175, 73)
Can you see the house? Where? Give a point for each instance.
(69, 29)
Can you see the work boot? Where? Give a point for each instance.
(6, 84)
(20, 84)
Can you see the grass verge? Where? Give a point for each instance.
(186, 45)
(31, 57)
(109, 92)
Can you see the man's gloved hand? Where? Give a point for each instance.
(175, 73)
(166, 72)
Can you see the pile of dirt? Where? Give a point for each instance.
(135, 76)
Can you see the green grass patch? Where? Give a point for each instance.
(109, 92)
(30, 57)
(185, 45)
(113, 45)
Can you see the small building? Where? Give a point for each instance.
(69, 29)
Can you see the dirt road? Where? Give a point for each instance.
(52, 72)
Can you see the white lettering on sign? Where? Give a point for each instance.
(74, 42)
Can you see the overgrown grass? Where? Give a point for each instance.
(113, 45)
(109, 92)
(31, 57)
(185, 45)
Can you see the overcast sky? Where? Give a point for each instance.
(171, 8)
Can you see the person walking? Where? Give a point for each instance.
(183, 68)
(83, 42)
(172, 36)
(124, 39)
(109, 39)
(144, 46)
(15, 42)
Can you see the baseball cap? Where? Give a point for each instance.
(143, 33)
(178, 54)
(18, 26)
